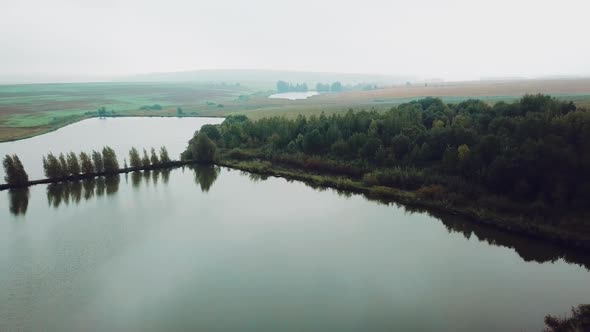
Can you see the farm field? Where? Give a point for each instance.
(29, 110)
(257, 107)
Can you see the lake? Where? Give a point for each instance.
(294, 95)
(215, 249)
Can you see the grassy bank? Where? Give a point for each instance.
(518, 223)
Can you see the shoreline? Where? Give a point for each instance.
(514, 224)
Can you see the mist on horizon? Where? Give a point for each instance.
(67, 40)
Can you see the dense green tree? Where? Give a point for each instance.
(51, 166)
(154, 157)
(63, 165)
(14, 172)
(134, 158)
(313, 142)
(164, 158)
(73, 164)
(109, 159)
(145, 159)
(202, 148)
(400, 145)
(212, 131)
(369, 150)
(86, 166)
(98, 162)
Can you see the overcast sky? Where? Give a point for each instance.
(452, 39)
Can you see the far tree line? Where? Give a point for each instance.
(283, 87)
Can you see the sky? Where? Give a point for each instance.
(449, 39)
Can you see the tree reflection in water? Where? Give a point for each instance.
(205, 175)
(527, 248)
(149, 176)
(19, 201)
(74, 191)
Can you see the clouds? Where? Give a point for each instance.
(453, 39)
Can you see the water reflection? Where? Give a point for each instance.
(135, 179)
(19, 201)
(148, 177)
(527, 248)
(254, 177)
(74, 191)
(205, 175)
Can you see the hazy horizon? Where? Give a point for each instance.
(66, 40)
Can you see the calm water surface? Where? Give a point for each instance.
(214, 249)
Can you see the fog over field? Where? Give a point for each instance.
(83, 40)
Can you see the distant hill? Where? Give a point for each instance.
(266, 76)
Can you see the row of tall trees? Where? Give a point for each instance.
(104, 161)
(137, 160)
(534, 149)
(14, 171)
(70, 164)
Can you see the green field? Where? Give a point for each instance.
(32, 109)
(27, 110)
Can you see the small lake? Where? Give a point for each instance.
(294, 95)
(215, 249)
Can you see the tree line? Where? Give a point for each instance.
(95, 162)
(283, 87)
(536, 149)
(72, 164)
(327, 87)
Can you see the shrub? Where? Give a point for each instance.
(431, 192)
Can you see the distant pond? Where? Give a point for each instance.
(294, 95)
